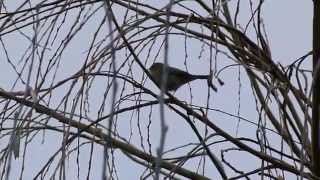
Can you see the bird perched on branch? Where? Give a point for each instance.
(176, 77)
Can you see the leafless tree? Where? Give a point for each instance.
(78, 102)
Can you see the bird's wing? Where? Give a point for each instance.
(180, 73)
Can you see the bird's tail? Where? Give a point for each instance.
(200, 77)
(209, 78)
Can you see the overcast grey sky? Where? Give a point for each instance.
(288, 26)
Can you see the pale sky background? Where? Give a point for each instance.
(289, 28)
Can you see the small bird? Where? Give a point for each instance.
(176, 77)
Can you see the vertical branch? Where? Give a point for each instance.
(163, 126)
(108, 144)
(316, 90)
(14, 143)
